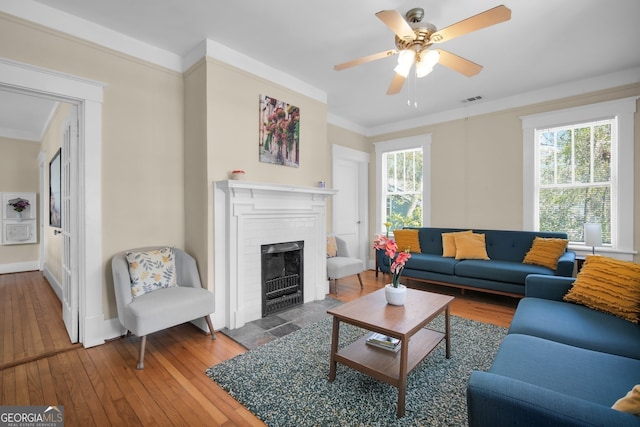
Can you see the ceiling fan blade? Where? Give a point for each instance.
(365, 59)
(397, 24)
(458, 63)
(396, 84)
(482, 20)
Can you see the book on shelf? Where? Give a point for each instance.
(383, 341)
(384, 347)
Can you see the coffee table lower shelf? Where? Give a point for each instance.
(384, 365)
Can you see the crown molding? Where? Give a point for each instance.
(574, 88)
(86, 30)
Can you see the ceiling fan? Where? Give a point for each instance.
(414, 38)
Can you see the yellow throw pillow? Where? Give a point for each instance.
(546, 252)
(407, 239)
(608, 285)
(630, 403)
(470, 246)
(332, 247)
(449, 243)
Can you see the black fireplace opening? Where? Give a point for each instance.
(282, 276)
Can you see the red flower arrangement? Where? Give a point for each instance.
(390, 249)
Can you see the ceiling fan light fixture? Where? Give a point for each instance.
(426, 62)
(406, 56)
(403, 69)
(422, 71)
(405, 62)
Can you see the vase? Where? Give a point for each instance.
(395, 296)
(19, 216)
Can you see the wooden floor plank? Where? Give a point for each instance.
(101, 385)
(36, 393)
(45, 383)
(22, 385)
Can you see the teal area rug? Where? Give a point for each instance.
(285, 382)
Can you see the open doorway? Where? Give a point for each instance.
(86, 241)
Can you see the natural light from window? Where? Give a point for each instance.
(403, 184)
(578, 168)
(574, 178)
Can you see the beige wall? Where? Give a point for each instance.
(197, 186)
(346, 138)
(142, 137)
(228, 140)
(19, 172)
(476, 169)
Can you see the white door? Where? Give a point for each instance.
(69, 180)
(350, 214)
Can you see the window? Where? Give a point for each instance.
(573, 178)
(402, 184)
(578, 167)
(403, 188)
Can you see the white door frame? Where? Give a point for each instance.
(88, 96)
(362, 158)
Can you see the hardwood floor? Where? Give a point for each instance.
(100, 385)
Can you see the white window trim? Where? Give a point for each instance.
(419, 141)
(621, 161)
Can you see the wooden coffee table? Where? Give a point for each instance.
(405, 322)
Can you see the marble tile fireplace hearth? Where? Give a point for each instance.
(249, 215)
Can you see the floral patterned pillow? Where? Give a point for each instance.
(151, 270)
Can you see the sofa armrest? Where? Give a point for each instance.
(547, 287)
(383, 261)
(495, 400)
(566, 264)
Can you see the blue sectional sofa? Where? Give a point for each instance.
(561, 364)
(504, 273)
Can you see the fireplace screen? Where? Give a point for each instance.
(282, 275)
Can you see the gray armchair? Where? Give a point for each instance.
(162, 308)
(342, 265)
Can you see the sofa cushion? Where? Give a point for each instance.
(608, 285)
(470, 246)
(449, 242)
(546, 252)
(429, 262)
(590, 375)
(407, 239)
(147, 313)
(501, 271)
(576, 325)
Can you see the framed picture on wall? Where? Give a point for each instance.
(55, 175)
(279, 133)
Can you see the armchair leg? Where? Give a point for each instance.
(360, 279)
(143, 343)
(210, 325)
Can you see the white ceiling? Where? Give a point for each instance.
(549, 48)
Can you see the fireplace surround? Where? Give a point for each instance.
(248, 215)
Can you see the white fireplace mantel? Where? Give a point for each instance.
(249, 215)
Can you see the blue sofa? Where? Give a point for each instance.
(561, 364)
(504, 273)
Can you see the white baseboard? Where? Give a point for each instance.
(112, 329)
(55, 285)
(19, 267)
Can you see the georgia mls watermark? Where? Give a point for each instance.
(31, 416)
